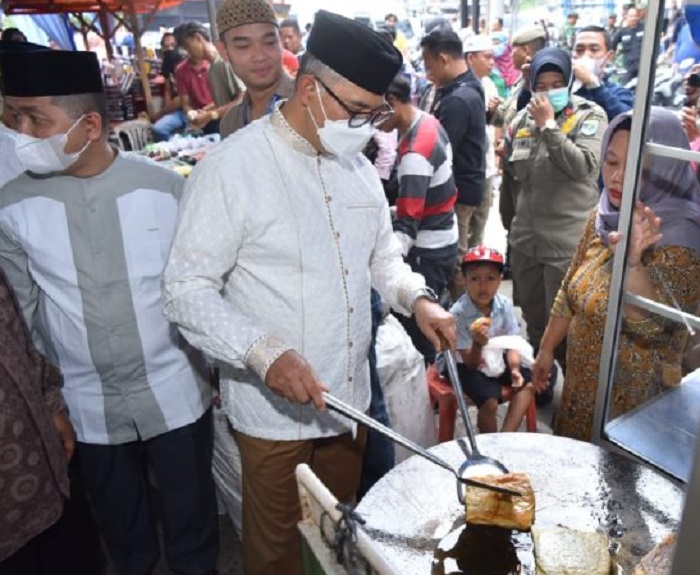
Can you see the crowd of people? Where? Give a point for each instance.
(133, 303)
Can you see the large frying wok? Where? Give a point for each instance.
(577, 485)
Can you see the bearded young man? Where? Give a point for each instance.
(271, 270)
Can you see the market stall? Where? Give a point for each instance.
(97, 16)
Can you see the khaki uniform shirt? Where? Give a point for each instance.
(238, 116)
(557, 171)
(502, 117)
(506, 112)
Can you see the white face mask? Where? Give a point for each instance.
(47, 155)
(338, 138)
(595, 66)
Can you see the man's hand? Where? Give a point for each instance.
(66, 433)
(584, 74)
(501, 151)
(291, 377)
(435, 323)
(199, 119)
(542, 369)
(493, 104)
(541, 110)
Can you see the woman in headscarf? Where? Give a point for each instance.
(503, 57)
(553, 149)
(663, 265)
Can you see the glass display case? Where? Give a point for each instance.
(662, 429)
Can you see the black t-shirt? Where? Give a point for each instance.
(459, 106)
(171, 58)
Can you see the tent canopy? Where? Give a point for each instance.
(61, 6)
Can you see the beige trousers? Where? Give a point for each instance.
(480, 215)
(464, 216)
(271, 509)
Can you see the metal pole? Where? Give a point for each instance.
(106, 32)
(642, 102)
(687, 547)
(211, 11)
(475, 16)
(140, 62)
(464, 12)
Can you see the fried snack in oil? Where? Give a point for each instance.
(489, 508)
(562, 551)
(658, 560)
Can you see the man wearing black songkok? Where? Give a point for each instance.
(84, 234)
(271, 270)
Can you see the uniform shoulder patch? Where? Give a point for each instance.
(589, 127)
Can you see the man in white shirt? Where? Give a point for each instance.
(84, 235)
(478, 52)
(10, 166)
(270, 272)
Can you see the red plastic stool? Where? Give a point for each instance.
(441, 392)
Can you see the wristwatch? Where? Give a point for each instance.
(424, 292)
(550, 124)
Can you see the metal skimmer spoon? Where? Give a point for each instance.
(350, 412)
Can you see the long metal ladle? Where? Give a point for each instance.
(350, 412)
(477, 458)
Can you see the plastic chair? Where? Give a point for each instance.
(442, 394)
(133, 136)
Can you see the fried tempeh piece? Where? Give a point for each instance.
(562, 551)
(489, 508)
(658, 560)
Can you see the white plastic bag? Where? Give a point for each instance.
(493, 364)
(226, 470)
(402, 376)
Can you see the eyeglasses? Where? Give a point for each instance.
(359, 119)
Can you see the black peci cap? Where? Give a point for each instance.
(29, 74)
(354, 51)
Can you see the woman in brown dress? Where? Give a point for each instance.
(663, 265)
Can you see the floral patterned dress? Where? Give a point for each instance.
(650, 351)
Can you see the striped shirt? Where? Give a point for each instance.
(427, 193)
(85, 257)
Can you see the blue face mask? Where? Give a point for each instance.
(499, 50)
(559, 98)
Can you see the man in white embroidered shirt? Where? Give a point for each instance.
(270, 272)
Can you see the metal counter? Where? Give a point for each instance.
(664, 430)
(577, 485)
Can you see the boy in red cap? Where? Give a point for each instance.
(481, 314)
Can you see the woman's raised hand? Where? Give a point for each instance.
(646, 231)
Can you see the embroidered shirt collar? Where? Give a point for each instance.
(289, 134)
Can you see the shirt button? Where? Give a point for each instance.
(347, 272)
(350, 379)
(352, 310)
(350, 344)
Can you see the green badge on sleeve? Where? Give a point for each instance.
(589, 127)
